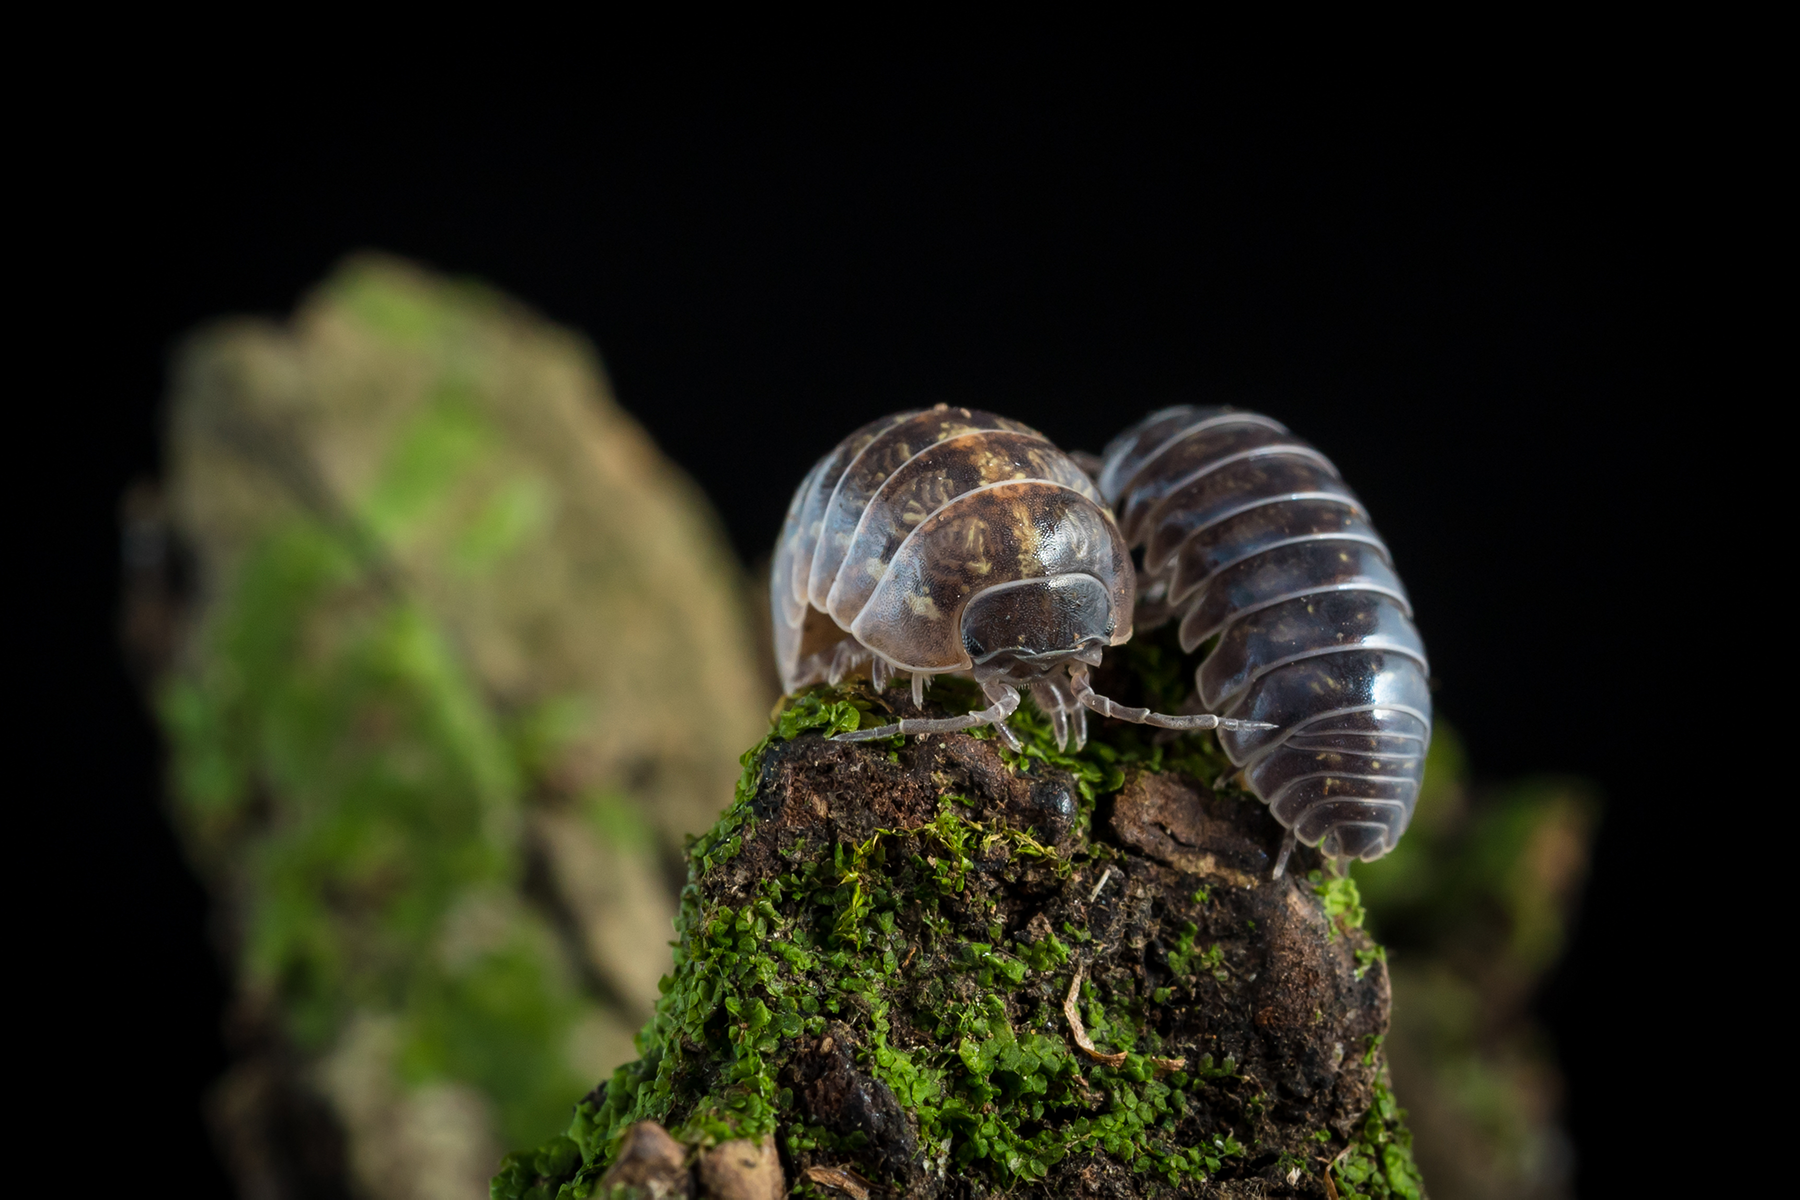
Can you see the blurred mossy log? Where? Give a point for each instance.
(934, 968)
(455, 661)
(1476, 904)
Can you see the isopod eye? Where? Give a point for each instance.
(1031, 617)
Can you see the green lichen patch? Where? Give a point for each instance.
(877, 942)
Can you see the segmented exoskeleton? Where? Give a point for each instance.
(954, 540)
(1250, 537)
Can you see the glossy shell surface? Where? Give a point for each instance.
(1251, 540)
(894, 531)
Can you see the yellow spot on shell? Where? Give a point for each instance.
(922, 605)
(874, 568)
(981, 567)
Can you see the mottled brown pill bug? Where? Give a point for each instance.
(954, 540)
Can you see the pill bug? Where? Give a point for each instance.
(1249, 536)
(954, 540)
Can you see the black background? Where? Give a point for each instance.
(1457, 294)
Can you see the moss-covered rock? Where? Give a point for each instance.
(464, 661)
(935, 968)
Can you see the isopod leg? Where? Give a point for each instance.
(1005, 702)
(919, 679)
(1054, 698)
(1287, 848)
(880, 673)
(1085, 693)
(1080, 722)
(844, 657)
(1008, 736)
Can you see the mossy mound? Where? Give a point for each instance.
(881, 945)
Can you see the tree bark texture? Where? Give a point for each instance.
(934, 968)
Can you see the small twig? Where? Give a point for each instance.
(910, 951)
(1104, 876)
(1080, 1030)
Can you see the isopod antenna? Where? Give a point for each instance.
(1005, 701)
(1088, 698)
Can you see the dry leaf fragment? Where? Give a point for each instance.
(1080, 1030)
(843, 1181)
(1331, 1191)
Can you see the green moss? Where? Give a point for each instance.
(1368, 958)
(995, 1093)
(1159, 679)
(1343, 903)
(1189, 961)
(1378, 1163)
(821, 941)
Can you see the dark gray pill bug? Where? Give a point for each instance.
(1251, 539)
(954, 540)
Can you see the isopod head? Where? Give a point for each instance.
(1023, 630)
